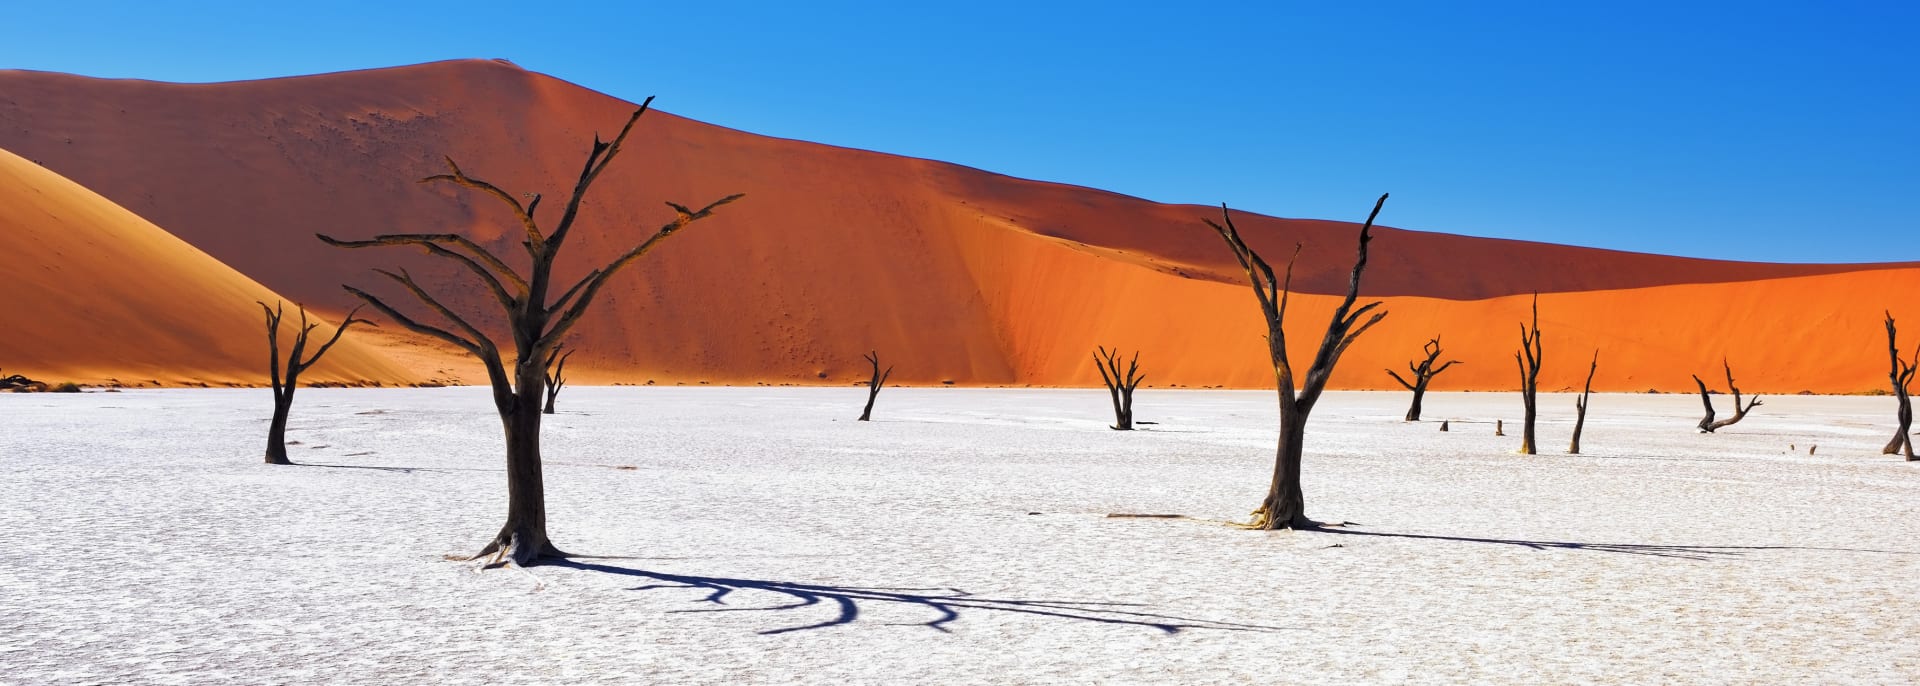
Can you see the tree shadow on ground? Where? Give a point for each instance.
(402, 470)
(1685, 552)
(946, 603)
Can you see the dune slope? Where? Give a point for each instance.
(954, 274)
(95, 294)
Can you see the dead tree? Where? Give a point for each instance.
(1900, 372)
(1422, 373)
(1119, 386)
(286, 380)
(537, 322)
(1707, 425)
(1580, 405)
(1285, 506)
(1529, 360)
(874, 384)
(20, 383)
(556, 375)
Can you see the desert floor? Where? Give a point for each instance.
(743, 535)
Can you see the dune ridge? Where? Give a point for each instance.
(954, 274)
(95, 294)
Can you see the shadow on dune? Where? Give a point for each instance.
(945, 603)
(1685, 552)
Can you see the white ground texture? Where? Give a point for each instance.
(758, 535)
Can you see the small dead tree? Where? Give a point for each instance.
(1529, 360)
(537, 321)
(287, 380)
(1285, 506)
(556, 375)
(1707, 425)
(1900, 372)
(1422, 374)
(1119, 386)
(1580, 405)
(874, 384)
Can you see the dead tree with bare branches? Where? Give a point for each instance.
(1900, 372)
(1707, 424)
(1529, 358)
(874, 384)
(1580, 405)
(286, 379)
(1285, 506)
(556, 375)
(537, 322)
(1422, 374)
(1119, 386)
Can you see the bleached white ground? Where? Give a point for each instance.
(959, 538)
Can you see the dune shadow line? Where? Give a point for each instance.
(946, 603)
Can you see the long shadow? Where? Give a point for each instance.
(945, 602)
(1685, 552)
(402, 470)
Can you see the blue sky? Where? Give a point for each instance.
(1753, 130)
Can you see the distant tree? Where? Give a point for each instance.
(874, 384)
(285, 382)
(1119, 386)
(556, 375)
(20, 383)
(537, 323)
(1707, 425)
(1900, 372)
(1580, 420)
(1529, 360)
(1285, 505)
(1422, 374)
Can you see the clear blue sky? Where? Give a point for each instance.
(1740, 130)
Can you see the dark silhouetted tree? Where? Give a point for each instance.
(1707, 425)
(1422, 374)
(1580, 405)
(1900, 372)
(1120, 386)
(537, 322)
(556, 375)
(286, 380)
(1285, 506)
(874, 384)
(1529, 360)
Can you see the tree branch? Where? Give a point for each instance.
(599, 277)
(534, 239)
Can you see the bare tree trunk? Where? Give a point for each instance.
(1707, 424)
(1529, 360)
(1422, 374)
(297, 363)
(1580, 421)
(1119, 385)
(523, 539)
(1284, 507)
(874, 384)
(556, 376)
(277, 429)
(1900, 373)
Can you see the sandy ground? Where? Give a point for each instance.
(748, 535)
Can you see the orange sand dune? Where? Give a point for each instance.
(95, 294)
(952, 273)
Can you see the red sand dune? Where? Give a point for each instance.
(95, 294)
(951, 273)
